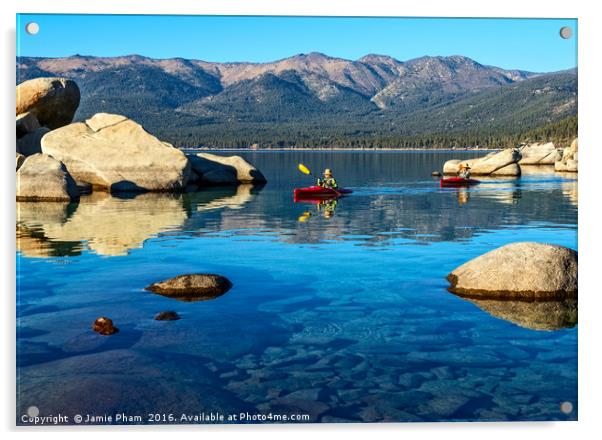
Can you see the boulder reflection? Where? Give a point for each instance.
(112, 226)
(534, 315)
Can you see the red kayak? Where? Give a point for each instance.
(315, 192)
(454, 182)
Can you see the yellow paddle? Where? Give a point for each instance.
(307, 171)
(304, 169)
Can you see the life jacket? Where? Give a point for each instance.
(329, 182)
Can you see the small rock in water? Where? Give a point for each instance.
(104, 326)
(192, 287)
(436, 174)
(167, 316)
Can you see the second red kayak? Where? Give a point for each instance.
(453, 182)
(319, 191)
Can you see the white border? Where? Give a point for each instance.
(589, 211)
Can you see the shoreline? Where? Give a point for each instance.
(371, 150)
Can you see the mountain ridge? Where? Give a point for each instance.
(188, 100)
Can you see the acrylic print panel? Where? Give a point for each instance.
(295, 219)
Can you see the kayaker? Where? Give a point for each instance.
(464, 172)
(328, 181)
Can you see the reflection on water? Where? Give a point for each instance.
(102, 223)
(570, 189)
(535, 315)
(413, 208)
(337, 310)
(222, 197)
(325, 207)
(109, 225)
(463, 196)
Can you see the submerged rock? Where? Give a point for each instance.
(534, 315)
(192, 287)
(41, 177)
(167, 316)
(115, 153)
(519, 270)
(497, 163)
(53, 101)
(219, 170)
(104, 326)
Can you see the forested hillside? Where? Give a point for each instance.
(312, 100)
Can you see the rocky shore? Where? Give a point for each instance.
(508, 162)
(57, 158)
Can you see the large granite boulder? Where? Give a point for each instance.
(115, 153)
(192, 287)
(41, 177)
(53, 101)
(522, 270)
(539, 154)
(497, 163)
(31, 143)
(224, 170)
(569, 161)
(26, 123)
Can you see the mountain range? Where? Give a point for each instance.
(317, 100)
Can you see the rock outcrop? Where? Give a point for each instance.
(115, 153)
(502, 163)
(569, 161)
(26, 123)
(224, 170)
(31, 143)
(539, 154)
(192, 287)
(522, 270)
(41, 177)
(53, 101)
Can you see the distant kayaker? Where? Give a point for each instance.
(328, 181)
(464, 171)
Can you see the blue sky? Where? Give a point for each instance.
(529, 44)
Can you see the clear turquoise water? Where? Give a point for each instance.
(338, 312)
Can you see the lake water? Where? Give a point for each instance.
(339, 311)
